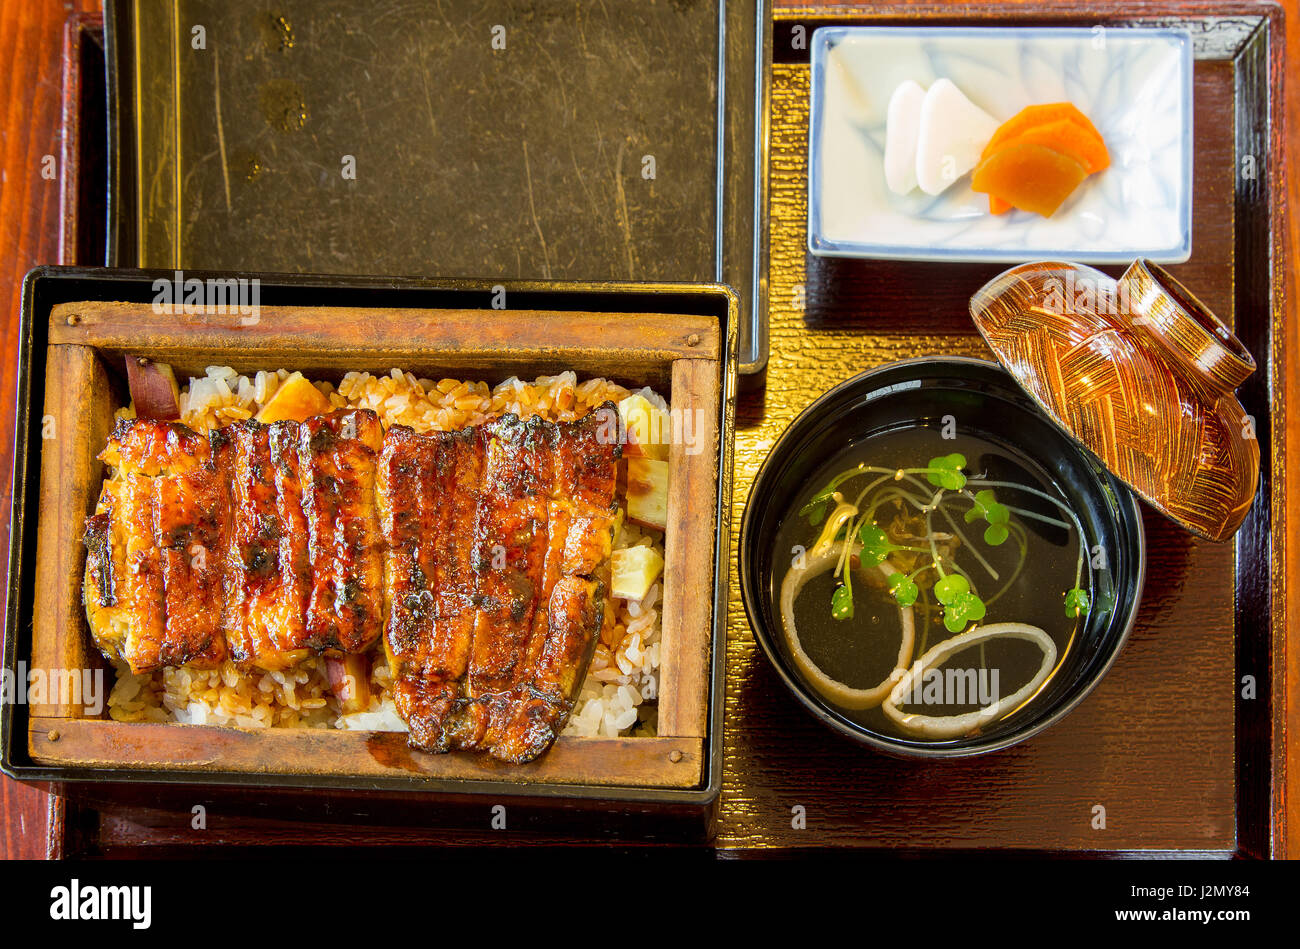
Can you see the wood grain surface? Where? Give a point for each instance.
(684, 674)
(305, 752)
(31, 42)
(791, 759)
(495, 340)
(79, 404)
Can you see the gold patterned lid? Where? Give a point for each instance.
(1138, 371)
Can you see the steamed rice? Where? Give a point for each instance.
(619, 696)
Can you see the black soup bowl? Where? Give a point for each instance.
(938, 399)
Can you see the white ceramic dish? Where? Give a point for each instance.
(1134, 84)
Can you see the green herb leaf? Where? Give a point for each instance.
(817, 515)
(875, 545)
(945, 471)
(903, 589)
(842, 603)
(964, 609)
(980, 507)
(994, 512)
(986, 506)
(996, 534)
(971, 605)
(1076, 603)
(950, 587)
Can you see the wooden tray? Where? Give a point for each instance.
(80, 323)
(1166, 745)
(1166, 753)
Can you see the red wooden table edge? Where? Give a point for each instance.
(32, 41)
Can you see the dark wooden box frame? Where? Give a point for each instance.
(77, 325)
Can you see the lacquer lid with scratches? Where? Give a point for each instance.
(1139, 372)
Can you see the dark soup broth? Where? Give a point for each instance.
(928, 587)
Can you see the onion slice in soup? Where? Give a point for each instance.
(955, 726)
(838, 692)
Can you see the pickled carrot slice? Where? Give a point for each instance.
(1038, 115)
(1029, 176)
(1069, 137)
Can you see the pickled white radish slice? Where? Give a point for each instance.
(953, 132)
(902, 125)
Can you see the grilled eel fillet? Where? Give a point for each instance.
(255, 543)
(497, 554)
(483, 555)
(303, 565)
(153, 570)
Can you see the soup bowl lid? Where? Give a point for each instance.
(1139, 372)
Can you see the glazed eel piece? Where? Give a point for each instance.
(256, 542)
(427, 489)
(155, 544)
(336, 457)
(267, 568)
(582, 459)
(497, 553)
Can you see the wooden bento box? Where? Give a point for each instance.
(79, 323)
